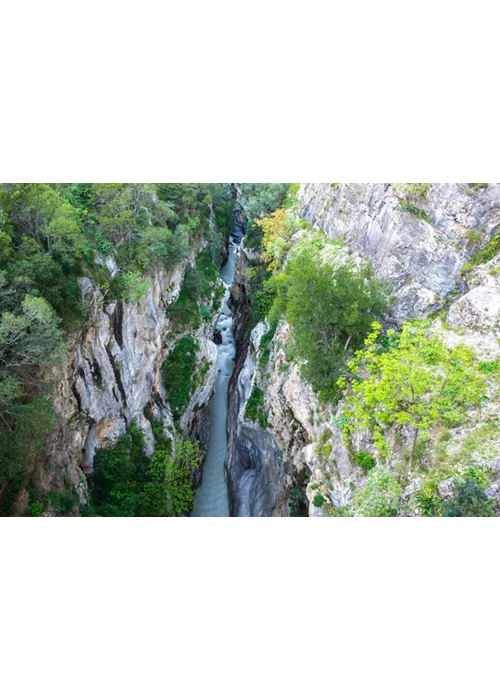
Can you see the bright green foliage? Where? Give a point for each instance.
(330, 310)
(365, 460)
(379, 495)
(412, 379)
(179, 374)
(468, 501)
(131, 286)
(484, 255)
(254, 409)
(170, 490)
(291, 195)
(37, 509)
(127, 483)
(122, 209)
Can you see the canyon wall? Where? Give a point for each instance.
(421, 250)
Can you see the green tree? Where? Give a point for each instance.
(412, 379)
(330, 311)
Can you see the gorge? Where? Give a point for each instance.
(182, 391)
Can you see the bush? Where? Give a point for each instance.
(319, 500)
(178, 374)
(254, 409)
(469, 501)
(379, 496)
(365, 460)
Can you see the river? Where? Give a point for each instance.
(211, 499)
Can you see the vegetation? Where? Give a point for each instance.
(265, 344)
(413, 189)
(179, 371)
(485, 255)
(254, 409)
(468, 501)
(412, 379)
(52, 234)
(379, 496)
(127, 483)
(365, 460)
(413, 209)
(319, 500)
(330, 311)
(263, 197)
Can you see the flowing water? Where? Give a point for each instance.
(211, 498)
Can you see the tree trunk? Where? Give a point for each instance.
(413, 447)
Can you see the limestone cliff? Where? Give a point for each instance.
(420, 244)
(111, 378)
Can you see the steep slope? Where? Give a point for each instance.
(419, 239)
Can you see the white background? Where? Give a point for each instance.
(240, 608)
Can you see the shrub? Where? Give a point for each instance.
(469, 501)
(36, 509)
(379, 496)
(63, 502)
(365, 460)
(319, 500)
(254, 409)
(178, 374)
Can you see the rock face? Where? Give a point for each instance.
(421, 257)
(111, 378)
(302, 445)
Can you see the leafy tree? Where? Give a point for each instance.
(263, 197)
(278, 228)
(412, 379)
(30, 339)
(330, 311)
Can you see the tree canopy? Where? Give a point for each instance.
(330, 310)
(409, 379)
